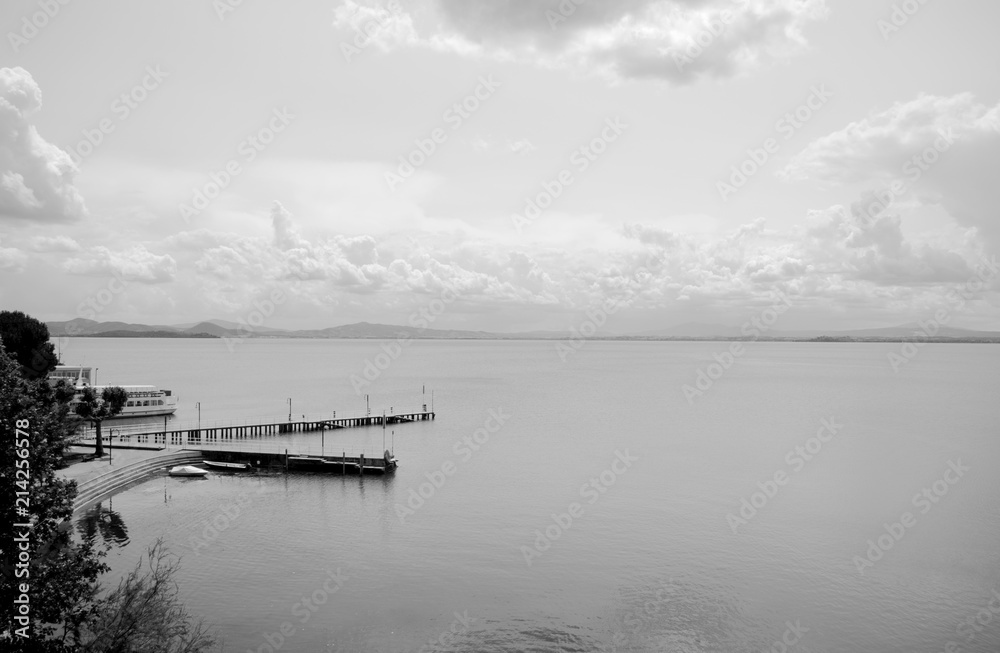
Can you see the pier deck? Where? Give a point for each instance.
(145, 436)
(258, 444)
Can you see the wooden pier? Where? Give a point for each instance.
(193, 437)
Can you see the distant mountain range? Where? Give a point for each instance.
(719, 331)
(689, 331)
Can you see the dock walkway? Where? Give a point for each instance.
(146, 437)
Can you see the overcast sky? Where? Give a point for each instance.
(168, 162)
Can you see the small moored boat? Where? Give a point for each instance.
(187, 470)
(227, 467)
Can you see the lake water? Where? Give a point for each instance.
(647, 486)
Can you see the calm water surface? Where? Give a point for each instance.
(651, 561)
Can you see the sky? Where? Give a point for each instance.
(515, 165)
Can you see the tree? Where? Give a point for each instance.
(97, 409)
(66, 611)
(27, 340)
(145, 615)
(36, 429)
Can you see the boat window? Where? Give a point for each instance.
(131, 403)
(145, 403)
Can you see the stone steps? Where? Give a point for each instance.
(89, 491)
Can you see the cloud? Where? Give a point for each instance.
(12, 259)
(937, 150)
(36, 177)
(134, 264)
(850, 245)
(674, 40)
(357, 266)
(836, 259)
(54, 244)
(880, 145)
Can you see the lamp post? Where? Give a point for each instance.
(111, 438)
(289, 409)
(199, 416)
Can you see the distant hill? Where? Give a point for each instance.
(912, 330)
(695, 329)
(361, 330)
(149, 334)
(222, 329)
(83, 327)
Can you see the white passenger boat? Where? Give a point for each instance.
(143, 400)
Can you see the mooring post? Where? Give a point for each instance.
(286, 460)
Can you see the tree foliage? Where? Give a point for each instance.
(67, 611)
(62, 574)
(145, 615)
(27, 340)
(99, 408)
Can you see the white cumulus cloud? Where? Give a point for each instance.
(36, 177)
(673, 40)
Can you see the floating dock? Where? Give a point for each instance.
(274, 457)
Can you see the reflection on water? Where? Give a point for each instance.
(104, 522)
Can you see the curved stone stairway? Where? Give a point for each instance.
(89, 491)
